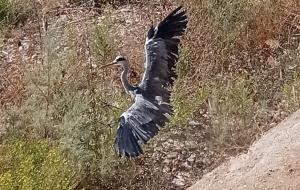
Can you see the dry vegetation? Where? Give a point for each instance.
(238, 77)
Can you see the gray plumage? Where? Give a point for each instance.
(152, 96)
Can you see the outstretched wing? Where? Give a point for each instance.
(138, 124)
(161, 52)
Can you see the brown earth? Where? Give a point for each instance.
(272, 162)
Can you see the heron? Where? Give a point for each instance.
(151, 106)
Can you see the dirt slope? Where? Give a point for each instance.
(272, 162)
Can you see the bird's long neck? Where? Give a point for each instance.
(128, 87)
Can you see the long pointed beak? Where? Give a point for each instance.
(112, 63)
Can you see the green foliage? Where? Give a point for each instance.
(182, 66)
(225, 19)
(291, 95)
(71, 102)
(35, 165)
(228, 15)
(184, 102)
(102, 46)
(286, 65)
(13, 12)
(4, 6)
(232, 114)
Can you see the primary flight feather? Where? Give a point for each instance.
(152, 96)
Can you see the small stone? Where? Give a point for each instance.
(186, 175)
(166, 161)
(166, 169)
(272, 124)
(184, 152)
(186, 165)
(180, 157)
(178, 181)
(283, 114)
(191, 159)
(194, 123)
(172, 155)
(276, 116)
(166, 144)
(206, 161)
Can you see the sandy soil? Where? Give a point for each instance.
(272, 162)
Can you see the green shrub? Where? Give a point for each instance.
(35, 165)
(14, 12)
(101, 41)
(232, 111)
(4, 9)
(71, 101)
(291, 95)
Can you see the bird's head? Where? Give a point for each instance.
(119, 60)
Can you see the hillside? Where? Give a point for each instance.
(238, 77)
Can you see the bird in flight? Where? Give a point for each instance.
(152, 96)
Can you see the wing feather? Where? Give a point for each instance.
(139, 123)
(136, 125)
(161, 50)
